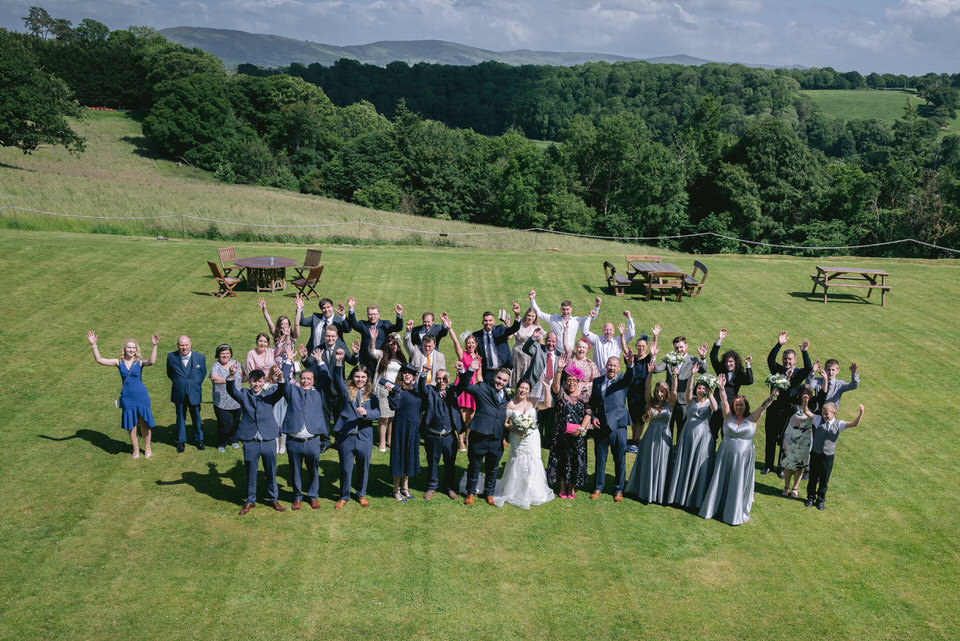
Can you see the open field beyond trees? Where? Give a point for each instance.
(98, 545)
(852, 104)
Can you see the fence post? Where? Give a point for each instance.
(183, 233)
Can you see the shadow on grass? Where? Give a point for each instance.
(141, 146)
(212, 483)
(99, 439)
(168, 434)
(835, 298)
(17, 167)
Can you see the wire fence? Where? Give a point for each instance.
(356, 227)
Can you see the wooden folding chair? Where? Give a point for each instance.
(691, 285)
(228, 255)
(227, 283)
(312, 260)
(308, 285)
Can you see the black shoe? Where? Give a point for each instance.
(780, 474)
(808, 503)
(820, 505)
(201, 446)
(765, 470)
(180, 447)
(805, 477)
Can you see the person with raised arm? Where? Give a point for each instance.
(738, 372)
(607, 343)
(389, 360)
(427, 328)
(543, 358)
(685, 369)
(567, 462)
(797, 439)
(492, 341)
(826, 384)
(608, 401)
(226, 409)
(782, 408)
(648, 478)
(524, 481)
(318, 323)
(693, 460)
(134, 400)
(406, 401)
(636, 396)
(442, 422)
(359, 410)
(567, 331)
(368, 345)
(467, 356)
(730, 493)
(520, 358)
(424, 354)
(822, 453)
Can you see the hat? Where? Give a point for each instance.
(407, 367)
(575, 372)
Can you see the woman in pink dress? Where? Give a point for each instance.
(466, 355)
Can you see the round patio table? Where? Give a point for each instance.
(266, 272)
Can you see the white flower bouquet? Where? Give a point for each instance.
(779, 381)
(674, 359)
(709, 380)
(524, 422)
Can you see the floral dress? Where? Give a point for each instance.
(568, 453)
(797, 439)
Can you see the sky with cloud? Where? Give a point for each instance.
(888, 36)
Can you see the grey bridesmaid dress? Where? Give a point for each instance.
(693, 462)
(648, 478)
(730, 493)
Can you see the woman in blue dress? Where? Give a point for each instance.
(405, 400)
(730, 493)
(693, 462)
(648, 478)
(134, 399)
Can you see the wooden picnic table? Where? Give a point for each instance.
(644, 269)
(828, 276)
(266, 272)
(660, 279)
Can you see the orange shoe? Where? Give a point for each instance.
(469, 499)
(595, 495)
(364, 502)
(339, 505)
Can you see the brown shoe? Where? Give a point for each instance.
(429, 494)
(339, 504)
(489, 500)
(469, 499)
(246, 508)
(296, 505)
(453, 495)
(279, 508)
(618, 497)
(364, 502)
(595, 495)
(315, 504)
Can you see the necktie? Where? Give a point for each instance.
(499, 396)
(549, 375)
(429, 371)
(489, 340)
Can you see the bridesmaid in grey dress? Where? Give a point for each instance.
(648, 478)
(730, 493)
(693, 464)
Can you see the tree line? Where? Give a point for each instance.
(649, 150)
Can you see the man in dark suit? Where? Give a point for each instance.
(441, 422)
(608, 400)
(485, 435)
(186, 370)
(781, 409)
(258, 432)
(429, 328)
(492, 341)
(318, 323)
(307, 428)
(363, 327)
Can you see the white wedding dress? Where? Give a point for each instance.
(524, 481)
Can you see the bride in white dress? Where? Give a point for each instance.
(524, 480)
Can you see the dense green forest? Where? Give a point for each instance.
(638, 149)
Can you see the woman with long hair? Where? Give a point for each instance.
(468, 355)
(521, 361)
(353, 430)
(389, 359)
(737, 373)
(648, 478)
(693, 460)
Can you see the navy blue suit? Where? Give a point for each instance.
(500, 335)
(438, 331)
(317, 324)
(363, 328)
(306, 410)
(258, 432)
(610, 407)
(441, 421)
(354, 435)
(486, 433)
(186, 391)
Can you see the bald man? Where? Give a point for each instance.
(186, 370)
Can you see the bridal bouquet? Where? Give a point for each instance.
(779, 381)
(674, 359)
(524, 422)
(709, 380)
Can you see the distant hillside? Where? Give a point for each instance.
(236, 47)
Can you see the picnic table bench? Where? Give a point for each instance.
(864, 278)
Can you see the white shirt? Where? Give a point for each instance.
(604, 348)
(186, 359)
(556, 325)
(493, 361)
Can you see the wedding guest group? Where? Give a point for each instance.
(521, 379)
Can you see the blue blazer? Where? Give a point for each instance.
(501, 333)
(438, 331)
(349, 419)
(490, 416)
(363, 328)
(257, 411)
(316, 336)
(187, 382)
(306, 407)
(440, 411)
(611, 408)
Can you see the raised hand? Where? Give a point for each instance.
(155, 339)
(234, 368)
(622, 327)
(299, 301)
(854, 368)
(592, 314)
(561, 362)
(533, 294)
(445, 319)
(399, 309)
(289, 352)
(804, 344)
(410, 325)
(722, 380)
(651, 366)
(302, 351)
(654, 350)
(626, 313)
(675, 371)
(317, 354)
(355, 347)
(374, 332)
(339, 354)
(475, 363)
(351, 303)
(262, 302)
(516, 308)
(656, 330)
(597, 301)
(628, 357)
(92, 337)
(749, 359)
(723, 333)
(782, 338)
(340, 308)
(460, 368)
(702, 350)
(537, 333)
(695, 368)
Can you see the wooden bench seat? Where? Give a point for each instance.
(618, 282)
(819, 280)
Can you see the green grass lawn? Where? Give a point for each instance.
(853, 104)
(100, 546)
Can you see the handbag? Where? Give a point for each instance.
(572, 428)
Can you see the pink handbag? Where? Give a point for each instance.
(572, 427)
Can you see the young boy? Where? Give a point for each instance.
(828, 386)
(825, 438)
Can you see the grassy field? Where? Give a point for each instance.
(100, 546)
(868, 103)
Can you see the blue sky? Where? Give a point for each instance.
(888, 36)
